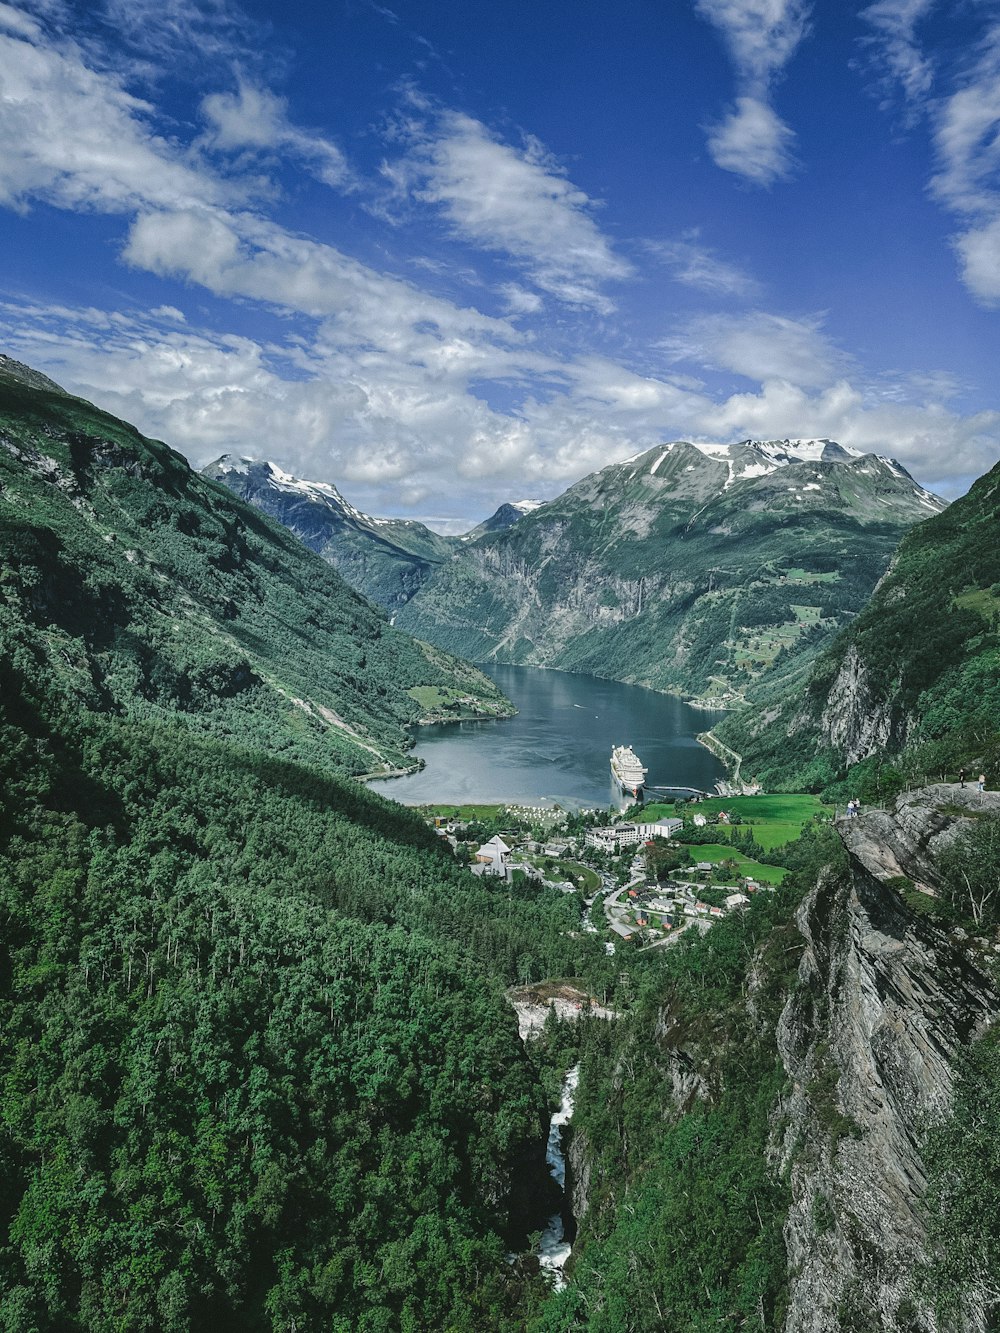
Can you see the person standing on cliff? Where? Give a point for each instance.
(961, 777)
(981, 784)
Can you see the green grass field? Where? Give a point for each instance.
(717, 851)
(775, 820)
(569, 870)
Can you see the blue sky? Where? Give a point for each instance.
(444, 255)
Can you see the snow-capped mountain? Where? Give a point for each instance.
(692, 566)
(386, 559)
(748, 459)
(504, 517)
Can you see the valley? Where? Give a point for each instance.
(519, 1059)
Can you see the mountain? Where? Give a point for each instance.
(152, 591)
(914, 676)
(385, 559)
(504, 517)
(689, 567)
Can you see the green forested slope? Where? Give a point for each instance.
(154, 593)
(916, 677)
(257, 1067)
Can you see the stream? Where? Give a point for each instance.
(554, 1248)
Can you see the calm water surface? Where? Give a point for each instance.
(557, 749)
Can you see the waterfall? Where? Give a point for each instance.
(553, 1248)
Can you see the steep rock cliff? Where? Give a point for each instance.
(885, 1001)
(854, 721)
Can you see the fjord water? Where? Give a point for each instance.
(558, 747)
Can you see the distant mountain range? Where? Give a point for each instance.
(386, 559)
(698, 568)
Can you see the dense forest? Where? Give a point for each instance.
(258, 1067)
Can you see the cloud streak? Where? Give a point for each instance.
(762, 36)
(698, 266)
(253, 117)
(966, 137)
(514, 201)
(894, 39)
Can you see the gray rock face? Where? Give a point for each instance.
(884, 1003)
(34, 379)
(578, 1168)
(909, 839)
(853, 721)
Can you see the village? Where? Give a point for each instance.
(643, 881)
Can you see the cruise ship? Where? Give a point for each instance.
(627, 769)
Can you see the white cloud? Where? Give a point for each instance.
(753, 142)
(78, 139)
(514, 201)
(699, 267)
(17, 22)
(762, 36)
(254, 117)
(967, 145)
(902, 61)
(978, 250)
(943, 449)
(196, 32)
(762, 347)
(391, 432)
(242, 255)
(519, 300)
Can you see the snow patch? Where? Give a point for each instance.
(652, 470)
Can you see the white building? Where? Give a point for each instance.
(493, 856)
(663, 828)
(605, 839)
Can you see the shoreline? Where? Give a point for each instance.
(703, 738)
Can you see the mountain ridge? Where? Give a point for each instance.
(676, 568)
(910, 684)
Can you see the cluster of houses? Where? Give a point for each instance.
(667, 909)
(660, 909)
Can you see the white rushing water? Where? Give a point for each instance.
(553, 1248)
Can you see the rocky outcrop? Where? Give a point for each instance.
(909, 838)
(884, 1003)
(854, 722)
(578, 1167)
